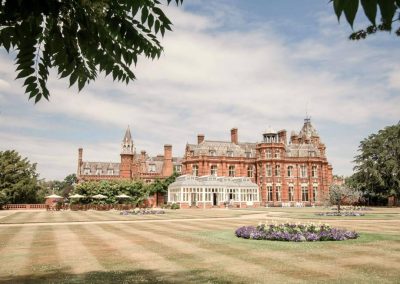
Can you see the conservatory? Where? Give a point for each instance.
(213, 191)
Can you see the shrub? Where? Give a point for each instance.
(294, 232)
(175, 206)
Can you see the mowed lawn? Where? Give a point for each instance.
(191, 246)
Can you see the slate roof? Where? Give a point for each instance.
(223, 148)
(104, 166)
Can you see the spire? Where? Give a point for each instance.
(308, 130)
(127, 146)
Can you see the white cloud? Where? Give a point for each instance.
(209, 81)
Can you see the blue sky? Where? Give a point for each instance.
(245, 64)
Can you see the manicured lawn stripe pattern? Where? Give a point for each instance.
(193, 250)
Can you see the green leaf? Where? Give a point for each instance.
(25, 72)
(73, 78)
(145, 13)
(370, 8)
(388, 10)
(338, 6)
(350, 11)
(150, 21)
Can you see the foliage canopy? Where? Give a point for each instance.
(377, 167)
(389, 11)
(80, 38)
(18, 179)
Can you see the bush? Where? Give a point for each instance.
(175, 206)
(294, 233)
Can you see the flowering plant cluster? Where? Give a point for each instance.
(294, 232)
(141, 212)
(349, 213)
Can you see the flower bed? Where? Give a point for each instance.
(141, 212)
(294, 233)
(348, 213)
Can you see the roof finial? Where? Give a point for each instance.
(308, 117)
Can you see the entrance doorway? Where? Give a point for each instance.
(215, 199)
(193, 199)
(230, 196)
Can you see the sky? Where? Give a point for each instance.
(227, 63)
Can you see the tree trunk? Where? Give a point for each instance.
(338, 208)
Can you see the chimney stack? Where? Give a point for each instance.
(200, 138)
(234, 135)
(167, 169)
(282, 136)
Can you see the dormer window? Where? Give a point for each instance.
(229, 153)
(213, 153)
(248, 154)
(178, 168)
(110, 172)
(152, 168)
(99, 172)
(86, 171)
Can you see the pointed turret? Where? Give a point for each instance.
(127, 146)
(308, 131)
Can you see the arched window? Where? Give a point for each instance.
(277, 170)
(231, 171)
(250, 171)
(195, 170)
(269, 171)
(214, 170)
(290, 171)
(314, 171)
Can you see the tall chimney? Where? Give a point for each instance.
(234, 135)
(200, 138)
(282, 136)
(167, 169)
(80, 154)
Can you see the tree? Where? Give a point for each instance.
(80, 38)
(343, 194)
(377, 169)
(18, 179)
(135, 189)
(389, 10)
(160, 186)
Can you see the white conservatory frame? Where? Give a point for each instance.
(208, 191)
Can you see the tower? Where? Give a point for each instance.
(127, 155)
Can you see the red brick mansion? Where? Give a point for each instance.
(132, 166)
(294, 171)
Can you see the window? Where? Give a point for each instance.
(277, 154)
(86, 171)
(277, 170)
(248, 154)
(314, 171)
(250, 171)
(303, 171)
(269, 154)
(214, 170)
(304, 193)
(278, 193)
(269, 190)
(229, 153)
(212, 153)
(315, 190)
(269, 171)
(152, 168)
(195, 170)
(110, 172)
(291, 193)
(178, 168)
(231, 171)
(99, 172)
(290, 171)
